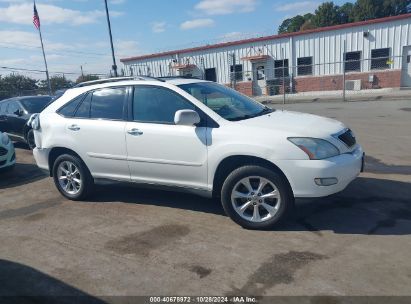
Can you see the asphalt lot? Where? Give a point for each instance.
(130, 241)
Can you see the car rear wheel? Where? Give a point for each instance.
(72, 178)
(256, 197)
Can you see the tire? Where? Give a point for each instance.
(78, 183)
(254, 208)
(30, 139)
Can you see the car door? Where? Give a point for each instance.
(14, 112)
(159, 151)
(96, 132)
(3, 116)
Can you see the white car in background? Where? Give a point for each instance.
(197, 136)
(7, 153)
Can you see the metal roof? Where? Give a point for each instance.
(279, 36)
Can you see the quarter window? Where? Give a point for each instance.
(157, 105)
(352, 61)
(84, 109)
(380, 59)
(304, 66)
(69, 109)
(108, 103)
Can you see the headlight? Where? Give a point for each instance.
(315, 148)
(5, 140)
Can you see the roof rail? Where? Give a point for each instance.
(116, 79)
(101, 81)
(177, 77)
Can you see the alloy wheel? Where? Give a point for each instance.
(256, 199)
(69, 177)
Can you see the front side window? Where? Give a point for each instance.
(380, 59)
(108, 103)
(227, 103)
(157, 104)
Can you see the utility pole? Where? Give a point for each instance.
(111, 41)
(82, 73)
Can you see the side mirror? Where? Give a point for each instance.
(19, 112)
(186, 118)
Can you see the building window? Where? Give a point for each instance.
(352, 61)
(380, 59)
(211, 74)
(281, 68)
(304, 66)
(237, 72)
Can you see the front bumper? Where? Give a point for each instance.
(302, 173)
(9, 159)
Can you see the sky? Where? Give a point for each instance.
(75, 32)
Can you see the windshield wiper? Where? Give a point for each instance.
(264, 111)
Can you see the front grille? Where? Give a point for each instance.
(2, 163)
(348, 138)
(3, 151)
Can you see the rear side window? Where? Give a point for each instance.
(70, 108)
(157, 105)
(13, 107)
(108, 103)
(3, 107)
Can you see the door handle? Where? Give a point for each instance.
(73, 128)
(135, 132)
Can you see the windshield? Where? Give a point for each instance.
(227, 103)
(35, 104)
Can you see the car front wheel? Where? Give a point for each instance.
(72, 178)
(30, 139)
(256, 197)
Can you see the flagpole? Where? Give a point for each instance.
(45, 63)
(36, 21)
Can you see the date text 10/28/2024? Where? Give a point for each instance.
(202, 299)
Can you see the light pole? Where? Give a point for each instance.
(111, 40)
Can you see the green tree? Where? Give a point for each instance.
(293, 24)
(326, 14)
(396, 7)
(84, 78)
(345, 13)
(15, 84)
(57, 83)
(368, 9)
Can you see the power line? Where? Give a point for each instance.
(19, 47)
(40, 71)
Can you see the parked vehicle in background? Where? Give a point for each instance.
(198, 136)
(7, 153)
(14, 114)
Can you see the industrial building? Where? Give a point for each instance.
(364, 55)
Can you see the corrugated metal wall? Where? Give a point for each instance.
(326, 48)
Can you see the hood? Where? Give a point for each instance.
(296, 124)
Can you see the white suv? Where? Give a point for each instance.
(198, 136)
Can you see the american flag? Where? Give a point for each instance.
(36, 18)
